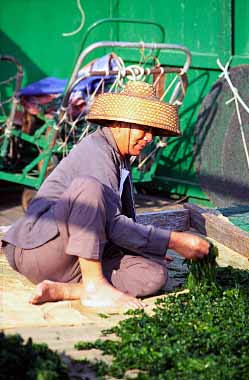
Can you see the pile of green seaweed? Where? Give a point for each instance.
(200, 334)
(29, 361)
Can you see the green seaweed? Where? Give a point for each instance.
(197, 335)
(29, 361)
(104, 316)
(202, 272)
(202, 334)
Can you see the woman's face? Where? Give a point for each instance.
(132, 138)
(139, 138)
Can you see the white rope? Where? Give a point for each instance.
(8, 132)
(169, 87)
(81, 24)
(137, 72)
(159, 145)
(159, 76)
(10, 79)
(120, 77)
(85, 131)
(242, 132)
(56, 127)
(142, 55)
(225, 73)
(237, 99)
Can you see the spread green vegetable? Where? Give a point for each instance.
(29, 361)
(202, 334)
(199, 335)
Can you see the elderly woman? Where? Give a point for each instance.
(79, 238)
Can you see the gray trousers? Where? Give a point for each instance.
(82, 234)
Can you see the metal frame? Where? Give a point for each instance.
(45, 137)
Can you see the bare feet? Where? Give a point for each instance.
(98, 293)
(91, 295)
(105, 295)
(95, 291)
(50, 291)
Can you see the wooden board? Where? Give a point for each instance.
(214, 225)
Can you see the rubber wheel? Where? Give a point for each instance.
(220, 157)
(27, 196)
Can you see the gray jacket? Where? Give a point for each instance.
(97, 156)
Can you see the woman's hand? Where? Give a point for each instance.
(188, 245)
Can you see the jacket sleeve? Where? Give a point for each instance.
(126, 233)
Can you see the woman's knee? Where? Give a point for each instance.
(154, 279)
(142, 279)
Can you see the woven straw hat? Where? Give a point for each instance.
(137, 104)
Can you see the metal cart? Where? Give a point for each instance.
(27, 155)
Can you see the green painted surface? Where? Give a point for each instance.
(241, 17)
(32, 31)
(204, 27)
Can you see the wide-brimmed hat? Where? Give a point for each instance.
(137, 103)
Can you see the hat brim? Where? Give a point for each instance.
(150, 112)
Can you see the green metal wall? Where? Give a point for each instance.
(32, 31)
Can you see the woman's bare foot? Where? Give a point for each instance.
(92, 295)
(50, 291)
(105, 295)
(95, 291)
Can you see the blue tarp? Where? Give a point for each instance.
(53, 85)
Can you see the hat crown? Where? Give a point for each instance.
(137, 103)
(140, 89)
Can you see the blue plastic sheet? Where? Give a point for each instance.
(53, 85)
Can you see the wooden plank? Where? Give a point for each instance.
(177, 220)
(214, 225)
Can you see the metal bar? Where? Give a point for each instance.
(131, 45)
(116, 72)
(19, 75)
(40, 142)
(33, 163)
(10, 120)
(19, 178)
(124, 21)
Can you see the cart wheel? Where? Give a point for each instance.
(27, 196)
